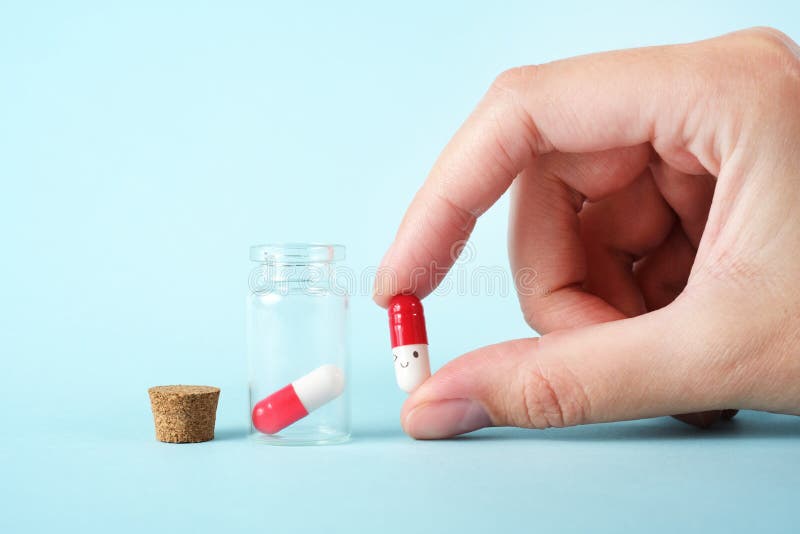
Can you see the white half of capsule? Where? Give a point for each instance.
(412, 366)
(319, 387)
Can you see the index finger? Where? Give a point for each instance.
(584, 104)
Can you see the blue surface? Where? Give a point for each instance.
(144, 148)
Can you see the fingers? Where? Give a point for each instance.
(688, 195)
(544, 235)
(616, 232)
(662, 275)
(689, 101)
(641, 367)
(584, 104)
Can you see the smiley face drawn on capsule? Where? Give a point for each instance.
(411, 365)
(409, 342)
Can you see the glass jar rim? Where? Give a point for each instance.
(297, 253)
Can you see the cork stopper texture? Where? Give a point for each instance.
(184, 414)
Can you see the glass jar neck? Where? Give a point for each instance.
(294, 267)
(311, 277)
(298, 272)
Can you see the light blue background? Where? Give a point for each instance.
(143, 148)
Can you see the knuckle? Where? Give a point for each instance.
(551, 397)
(760, 64)
(775, 55)
(771, 37)
(514, 80)
(515, 132)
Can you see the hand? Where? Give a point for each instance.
(652, 299)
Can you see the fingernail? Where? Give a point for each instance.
(443, 419)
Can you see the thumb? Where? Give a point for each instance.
(645, 366)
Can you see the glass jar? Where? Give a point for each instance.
(296, 324)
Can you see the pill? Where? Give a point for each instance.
(409, 342)
(298, 399)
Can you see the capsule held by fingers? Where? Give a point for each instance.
(298, 399)
(409, 342)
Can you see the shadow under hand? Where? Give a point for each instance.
(749, 425)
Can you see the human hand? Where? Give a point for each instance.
(651, 300)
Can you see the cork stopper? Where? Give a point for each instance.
(184, 414)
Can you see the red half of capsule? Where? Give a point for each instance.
(279, 410)
(407, 321)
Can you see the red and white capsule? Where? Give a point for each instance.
(295, 401)
(412, 365)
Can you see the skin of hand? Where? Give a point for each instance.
(653, 237)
